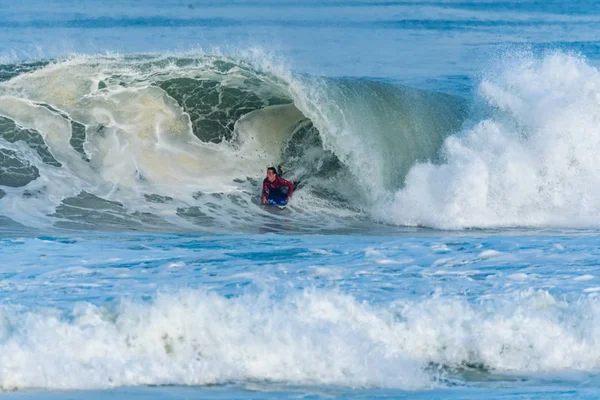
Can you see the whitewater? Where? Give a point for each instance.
(442, 242)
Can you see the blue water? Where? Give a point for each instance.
(443, 242)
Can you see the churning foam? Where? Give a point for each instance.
(197, 339)
(533, 162)
(304, 338)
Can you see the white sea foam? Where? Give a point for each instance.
(532, 162)
(199, 339)
(489, 253)
(313, 337)
(519, 276)
(440, 247)
(385, 261)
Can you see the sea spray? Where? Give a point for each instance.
(532, 162)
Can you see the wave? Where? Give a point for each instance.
(181, 142)
(530, 158)
(304, 338)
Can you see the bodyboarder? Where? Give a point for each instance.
(276, 190)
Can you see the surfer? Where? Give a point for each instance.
(274, 189)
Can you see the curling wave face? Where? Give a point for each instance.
(181, 142)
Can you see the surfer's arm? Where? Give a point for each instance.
(290, 187)
(265, 191)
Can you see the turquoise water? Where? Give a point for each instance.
(442, 244)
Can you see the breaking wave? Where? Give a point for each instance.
(180, 143)
(305, 338)
(530, 158)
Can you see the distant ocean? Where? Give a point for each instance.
(443, 243)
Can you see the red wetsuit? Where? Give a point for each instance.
(275, 187)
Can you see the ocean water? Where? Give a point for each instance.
(443, 242)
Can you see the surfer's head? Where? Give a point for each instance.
(271, 174)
